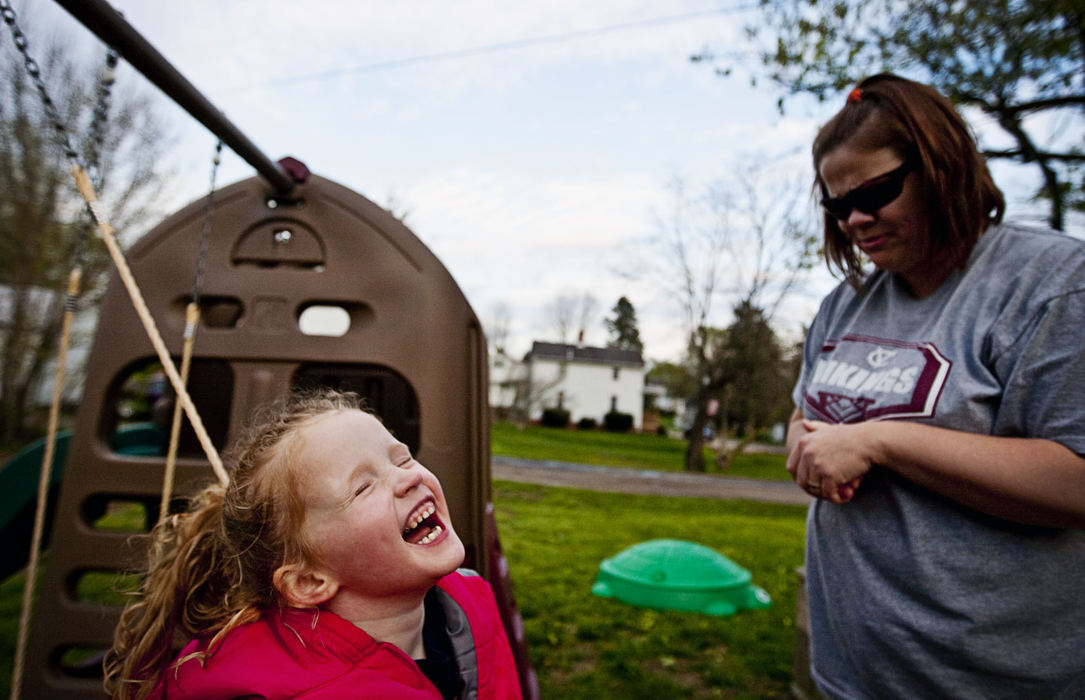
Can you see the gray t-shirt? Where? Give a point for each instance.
(911, 594)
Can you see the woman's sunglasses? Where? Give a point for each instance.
(870, 196)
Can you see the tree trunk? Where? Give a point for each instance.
(11, 371)
(695, 447)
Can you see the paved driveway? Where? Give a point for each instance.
(583, 476)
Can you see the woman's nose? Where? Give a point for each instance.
(858, 218)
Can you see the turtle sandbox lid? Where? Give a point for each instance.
(678, 575)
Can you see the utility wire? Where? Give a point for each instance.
(507, 45)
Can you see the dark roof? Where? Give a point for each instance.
(584, 353)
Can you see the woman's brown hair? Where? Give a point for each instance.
(210, 568)
(918, 123)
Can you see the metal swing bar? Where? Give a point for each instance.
(100, 18)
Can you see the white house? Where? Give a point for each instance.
(507, 376)
(588, 382)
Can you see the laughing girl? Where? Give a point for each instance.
(326, 569)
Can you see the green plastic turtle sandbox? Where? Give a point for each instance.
(678, 575)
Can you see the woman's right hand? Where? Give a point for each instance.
(829, 461)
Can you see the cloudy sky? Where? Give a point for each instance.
(532, 145)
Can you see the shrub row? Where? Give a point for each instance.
(554, 418)
(615, 421)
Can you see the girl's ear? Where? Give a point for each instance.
(302, 587)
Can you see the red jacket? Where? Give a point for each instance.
(286, 654)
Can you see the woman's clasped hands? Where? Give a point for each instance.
(829, 460)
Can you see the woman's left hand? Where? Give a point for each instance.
(829, 461)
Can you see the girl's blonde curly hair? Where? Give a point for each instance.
(210, 568)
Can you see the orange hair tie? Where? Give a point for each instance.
(855, 95)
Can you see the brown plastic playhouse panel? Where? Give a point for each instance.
(414, 348)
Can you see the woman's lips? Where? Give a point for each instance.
(872, 243)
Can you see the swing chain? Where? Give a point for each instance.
(21, 43)
(95, 141)
(205, 230)
(96, 132)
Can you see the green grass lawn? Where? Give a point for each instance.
(632, 450)
(583, 646)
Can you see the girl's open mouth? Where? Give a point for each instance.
(423, 526)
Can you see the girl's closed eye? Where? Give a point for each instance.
(402, 458)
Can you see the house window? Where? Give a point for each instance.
(561, 399)
(613, 404)
(616, 371)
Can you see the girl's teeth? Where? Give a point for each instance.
(432, 535)
(422, 515)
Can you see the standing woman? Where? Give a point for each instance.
(940, 420)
